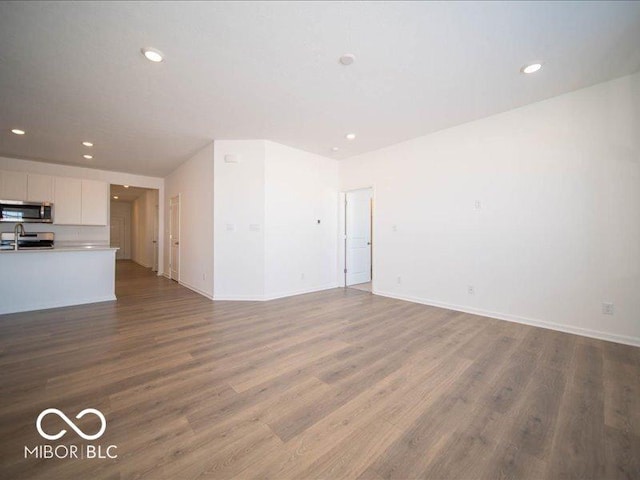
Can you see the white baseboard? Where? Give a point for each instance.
(6, 309)
(273, 296)
(585, 332)
(238, 298)
(197, 290)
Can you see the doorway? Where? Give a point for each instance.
(358, 239)
(134, 224)
(174, 238)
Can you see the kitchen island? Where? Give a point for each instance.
(70, 275)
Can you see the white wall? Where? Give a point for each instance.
(84, 233)
(267, 240)
(558, 231)
(300, 253)
(239, 217)
(153, 227)
(193, 180)
(122, 210)
(143, 210)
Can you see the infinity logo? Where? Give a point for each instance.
(46, 412)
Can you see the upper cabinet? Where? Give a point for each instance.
(40, 188)
(75, 201)
(13, 185)
(80, 202)
(67, 199)
(95, 202)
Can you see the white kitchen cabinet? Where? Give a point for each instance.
(13, 185)
(80, 202)
(95, 202)
(39, 188)
(67, 198)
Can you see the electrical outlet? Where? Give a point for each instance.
(302, 276)
(399, 280)
(394, 228)
(478, 205)
(471, 290)
(204, 276)
(607, 308)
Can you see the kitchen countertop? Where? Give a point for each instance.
(64, 248)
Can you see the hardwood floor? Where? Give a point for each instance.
(334, 384)
(365, 287)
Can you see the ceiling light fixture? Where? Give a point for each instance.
(534, 67)
(17, 131)
(115, 197)
(152, 54)
(334, 149)
(350, 136)
(87, 144)
(88, 157)
(347, 59)
(126, 186)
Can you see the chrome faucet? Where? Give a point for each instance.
(17, 231)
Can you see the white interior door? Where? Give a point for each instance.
(174, 238)
(118, 237)
(358, 236)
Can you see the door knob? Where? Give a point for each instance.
(177, 243)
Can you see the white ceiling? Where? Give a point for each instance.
(73, 71)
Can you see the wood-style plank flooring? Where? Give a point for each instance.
(365, 287)
(329, 385)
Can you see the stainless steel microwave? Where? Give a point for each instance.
(32, 212)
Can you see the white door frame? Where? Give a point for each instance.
(342, 234)
(178, 196)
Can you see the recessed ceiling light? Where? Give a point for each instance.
(115, 197)
(87, 144)
(347, 59)
(350, 136)
(126, 186)
(17, 131)
(534, 67)
(334, 149)
(152, 54)
(88, 157)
